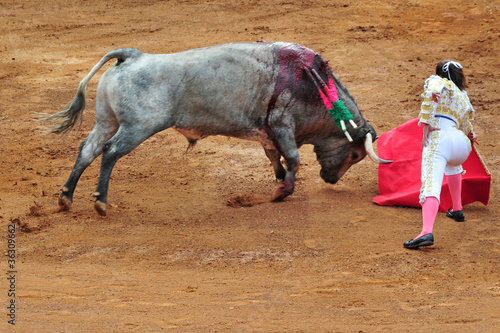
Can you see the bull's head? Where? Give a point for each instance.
(336, 155)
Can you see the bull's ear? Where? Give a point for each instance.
(360, 133)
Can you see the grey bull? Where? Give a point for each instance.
(256, 91)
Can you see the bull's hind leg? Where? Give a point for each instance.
(89, 150)
(123, 142)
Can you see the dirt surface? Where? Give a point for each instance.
(172, 255)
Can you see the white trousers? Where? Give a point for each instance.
(446, 150)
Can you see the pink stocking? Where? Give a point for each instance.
(455, 186)
(429, 212)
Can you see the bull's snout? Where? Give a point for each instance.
(329, 176)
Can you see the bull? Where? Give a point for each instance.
(256, 91)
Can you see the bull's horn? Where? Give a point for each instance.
(371, 152)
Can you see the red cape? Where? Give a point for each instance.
(399, 182)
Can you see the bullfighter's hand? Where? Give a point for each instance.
(428, 129)
(472, 136)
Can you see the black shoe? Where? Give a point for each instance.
(425, 240)
(456, 215)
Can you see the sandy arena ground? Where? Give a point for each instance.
(172, 255)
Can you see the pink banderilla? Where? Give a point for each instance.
(331, 99)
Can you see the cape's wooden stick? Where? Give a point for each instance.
(482, 161)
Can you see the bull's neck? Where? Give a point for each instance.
(351, 105)
(347, 99)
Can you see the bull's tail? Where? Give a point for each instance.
(68, 117)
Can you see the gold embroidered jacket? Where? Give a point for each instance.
(443, 97)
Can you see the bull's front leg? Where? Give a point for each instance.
(284, 140)
(288, 185)
(275, 157)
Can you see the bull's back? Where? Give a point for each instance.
(216, 90)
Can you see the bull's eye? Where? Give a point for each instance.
(354, 155)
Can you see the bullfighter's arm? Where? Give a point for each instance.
(432, 91)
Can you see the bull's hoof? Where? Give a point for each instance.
(277, 198)
(283, 191)
(64, 202)
(279, 195)
(100, 207)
